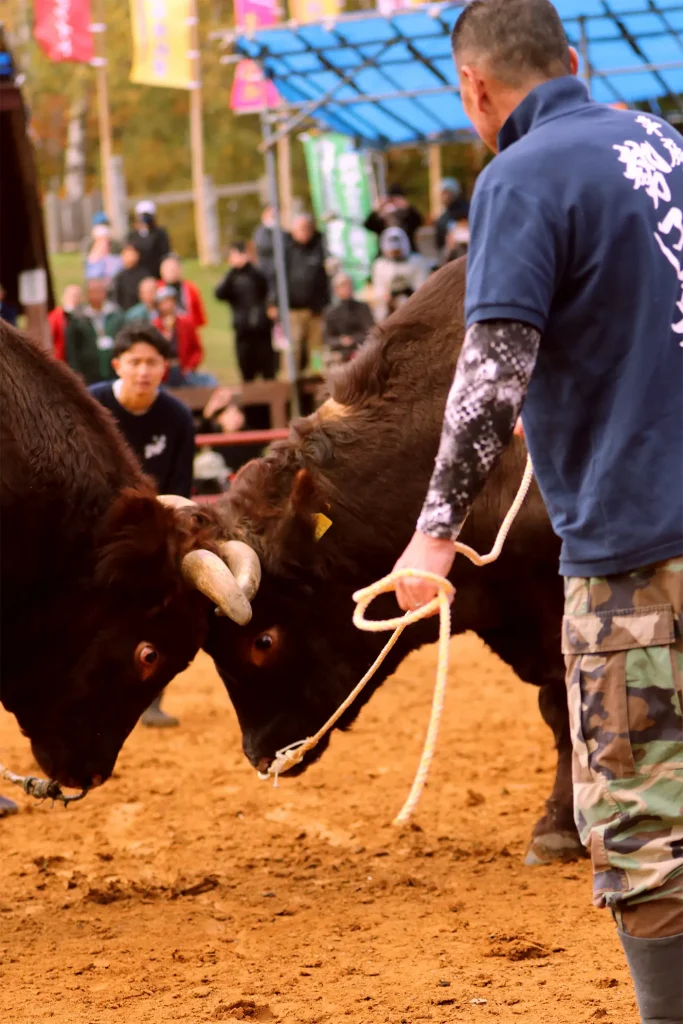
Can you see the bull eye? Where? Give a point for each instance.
(265, 647)
(263, 642)
(146, 659)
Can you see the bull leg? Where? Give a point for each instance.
(554, 836)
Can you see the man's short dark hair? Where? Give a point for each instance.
(137, 331)
(239, 246)
(519, 39)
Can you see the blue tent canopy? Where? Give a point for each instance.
(391, 81)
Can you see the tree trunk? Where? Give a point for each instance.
(74, 158)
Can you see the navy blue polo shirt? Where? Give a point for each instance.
(577, 229)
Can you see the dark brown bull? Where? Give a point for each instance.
(364, 460)
(100, 606)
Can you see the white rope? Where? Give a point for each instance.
(293, 754)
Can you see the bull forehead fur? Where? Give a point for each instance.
(368, 452)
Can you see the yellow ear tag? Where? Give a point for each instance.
(322, 525)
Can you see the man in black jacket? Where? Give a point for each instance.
(346, 323)
(151, 240)
(126, 283)
(309, 291)
(245, 289)
(394, 211)
(456, 210)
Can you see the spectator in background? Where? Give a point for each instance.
(396, 273)
(309, 291)
(146, 308)
(185, 348)
(245, 289)
(457, 241)
(346, 323)
(125, 285)
(394, 210)
(151, 241)
(263, 241)
(90, 333)
(456, 210)
(102, 261)
(59, 317)
(8, 310)
(188, 297)
(156, 425)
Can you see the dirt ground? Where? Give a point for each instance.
(188, 890)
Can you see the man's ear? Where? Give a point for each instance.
(573, 61)
(116, 364)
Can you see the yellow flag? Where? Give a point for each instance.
(303, 11)
(162, 43)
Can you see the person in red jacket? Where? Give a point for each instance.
(188, 296)
(186, 348)
(59, 316)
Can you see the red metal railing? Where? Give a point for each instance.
(241, 437)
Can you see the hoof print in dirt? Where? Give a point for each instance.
(243, 1009)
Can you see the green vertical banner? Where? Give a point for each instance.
(340, 191)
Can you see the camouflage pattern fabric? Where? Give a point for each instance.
(622, 638)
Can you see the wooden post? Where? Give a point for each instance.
(197, 139)
(98, 29)
(434, 157)
(284, 175)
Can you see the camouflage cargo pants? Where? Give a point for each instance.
(622, 639)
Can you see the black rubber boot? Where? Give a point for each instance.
(155, 718)
(656, 966)
(7, 807)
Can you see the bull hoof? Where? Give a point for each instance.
(7, 807)
(553, 847)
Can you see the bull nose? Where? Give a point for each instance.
(263, 765)
(95, 781)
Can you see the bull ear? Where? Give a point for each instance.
(305, 498)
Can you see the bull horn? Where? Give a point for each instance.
(244, 563)
(211, 576)
(174, 501)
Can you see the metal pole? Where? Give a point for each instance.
(280, 265)
(284, 168)
(587, 71)
(197, 139)
(99, 61)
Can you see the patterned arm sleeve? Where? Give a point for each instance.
(491, 381)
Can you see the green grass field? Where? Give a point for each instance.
(217, 336)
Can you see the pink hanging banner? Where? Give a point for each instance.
(62, 29)
(252, 92)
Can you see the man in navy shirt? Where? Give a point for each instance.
(575, 311)
(156, 425)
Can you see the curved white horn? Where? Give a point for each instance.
(174, 501)
(210, 575)
(244, 563)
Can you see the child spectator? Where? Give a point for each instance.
(346, 323)
(90, 333)
(245, 289)
(126, 283)
(59, 317)
(395, 262)
(146, 307)
(188, 296)
(156, 425)
(186, 351)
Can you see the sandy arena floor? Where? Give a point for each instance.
(188, 890)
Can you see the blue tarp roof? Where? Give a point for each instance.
(391, 80)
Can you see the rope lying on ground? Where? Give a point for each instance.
(292, 755)
(41, 789)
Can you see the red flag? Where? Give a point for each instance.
(62, 28)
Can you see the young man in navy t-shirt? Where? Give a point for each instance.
(156, 425)
(575, 311)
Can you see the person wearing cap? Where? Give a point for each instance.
(102, 261)
(394, 210)
(126, 283)
(397, 272)
(186, 351)
(188, 296)
(456, 210)
(151, 240)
